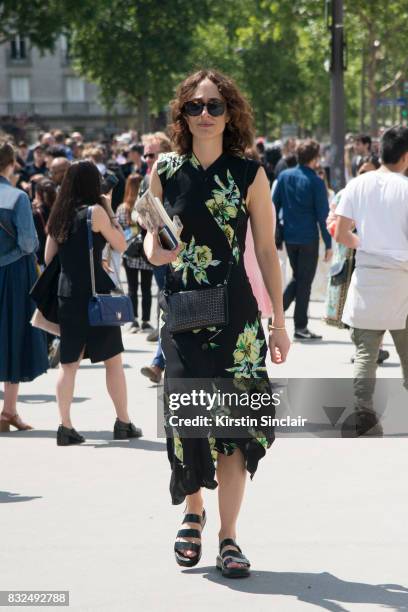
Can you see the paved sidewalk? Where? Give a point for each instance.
(324, 520)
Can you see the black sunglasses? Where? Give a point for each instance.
(150, 155)
(194, 108)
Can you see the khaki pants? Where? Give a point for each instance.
(367, 343)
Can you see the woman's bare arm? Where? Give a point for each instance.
(112, 233)
(51, 249)
(263, 221)
(154, 252)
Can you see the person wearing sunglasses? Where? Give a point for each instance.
(214, 190)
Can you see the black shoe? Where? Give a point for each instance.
(66, 436)
(232, 554)
(382, 356)
(146, 327)
(180, 547)
(153, 336)
(124, 431)
(134, 327)
(305, 334)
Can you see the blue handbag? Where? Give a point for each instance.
(106, 309)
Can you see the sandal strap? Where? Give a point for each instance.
(234, 559)
(229, 553)
(189, 533)
(187, 546)
(229, 542)
(192, 518)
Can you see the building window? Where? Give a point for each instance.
(20, 89)
(75, 89)
(18, 48)
(65, 48)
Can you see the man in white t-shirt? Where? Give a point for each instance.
(376, 205)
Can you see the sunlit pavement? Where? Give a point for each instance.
(323, 522)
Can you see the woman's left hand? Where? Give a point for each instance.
(279, 345)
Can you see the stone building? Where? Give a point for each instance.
(40, 92)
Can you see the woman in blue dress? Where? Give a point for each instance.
(23, 349)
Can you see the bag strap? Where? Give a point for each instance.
(231, 261)
(91, 256)
(39, 212)
(8, 231)
(90, 247)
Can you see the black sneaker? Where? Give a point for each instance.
(134, 327)
(66, 436)
(124, 431)
(305, 334)
(153, 336)
(146, 327)
(382, 356)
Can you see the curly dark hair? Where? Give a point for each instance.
(81, 186)
(239, 131)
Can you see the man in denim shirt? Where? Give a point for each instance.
(302, 196)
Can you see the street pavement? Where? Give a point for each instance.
(323, 521)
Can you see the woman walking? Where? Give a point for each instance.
(23, 349)
(68, 239)
(136, 267)
(214, 190)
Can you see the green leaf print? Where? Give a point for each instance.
(170, 163)
(197, 258)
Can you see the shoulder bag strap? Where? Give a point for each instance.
(91, 257)
(231, 261)
(7, 230)
(90, 247)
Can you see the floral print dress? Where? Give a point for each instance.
(211, 206)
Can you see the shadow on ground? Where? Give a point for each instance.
(105, 438)
(6, 497)
(42, 398)
(324, 590)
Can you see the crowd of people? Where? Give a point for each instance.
(236, 197)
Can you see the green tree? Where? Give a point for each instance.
(133, 50)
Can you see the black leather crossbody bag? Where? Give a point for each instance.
(202, 308)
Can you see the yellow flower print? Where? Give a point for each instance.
(196, 258)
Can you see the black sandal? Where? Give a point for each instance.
(179, 547)
(232, 556)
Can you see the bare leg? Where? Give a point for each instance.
(194, 505)
(231, 476)
(116, 385)
(65, 390)
(10, 399)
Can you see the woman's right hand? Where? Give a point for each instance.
(155, 252)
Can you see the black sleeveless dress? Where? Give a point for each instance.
(210, 203)
(74, 291)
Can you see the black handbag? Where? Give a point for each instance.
(201, 308)
(106, 309)
(135, 246)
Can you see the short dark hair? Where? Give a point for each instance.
(56, 151)
(364, 138)
(394, 144)
(137, 148)
(7, 154)
(307, 151)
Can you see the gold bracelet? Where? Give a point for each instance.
(272, 327)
